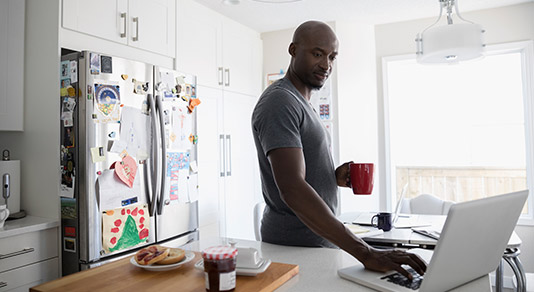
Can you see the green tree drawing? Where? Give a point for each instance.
(130, 236)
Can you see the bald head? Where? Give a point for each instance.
(312, 30)
(313, 51)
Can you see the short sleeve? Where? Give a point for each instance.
(277, 121)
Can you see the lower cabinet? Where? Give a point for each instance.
(28, 259)
(22, 279)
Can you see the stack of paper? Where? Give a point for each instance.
(361, 231)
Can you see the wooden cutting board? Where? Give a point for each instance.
(123, 276)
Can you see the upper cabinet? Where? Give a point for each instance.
(11, 65)
(147, 25)
(221, 52)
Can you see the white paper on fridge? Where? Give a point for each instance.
(134, 132)
(167, 81)
(67, 191)
(182, 128)
(192, 184)
(113, 193)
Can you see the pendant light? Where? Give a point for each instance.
(450, 43)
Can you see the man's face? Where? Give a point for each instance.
(313, 59)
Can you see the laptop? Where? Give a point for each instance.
(471, 245)
(399, 221)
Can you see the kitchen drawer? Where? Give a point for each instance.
(28, 248)
(22, 279)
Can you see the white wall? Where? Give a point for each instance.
(275, 54)
(38, 146)
(357, 107)
(505, 24)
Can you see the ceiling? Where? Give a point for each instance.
(265, 17)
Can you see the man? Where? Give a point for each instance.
(299, 180)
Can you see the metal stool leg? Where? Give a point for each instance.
(499, 277)
(511, 256)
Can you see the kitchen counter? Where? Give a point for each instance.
(317, 266)
(25, 225)
(317, 271)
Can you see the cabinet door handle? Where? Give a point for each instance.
(229, 156)
(123, 16)
(136, 37)
(220, 76)
(16, 253)
(222, 155)
(227, 73)
(3, 284)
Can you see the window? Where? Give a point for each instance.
(461, 132)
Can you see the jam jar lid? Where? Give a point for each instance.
(219, 252)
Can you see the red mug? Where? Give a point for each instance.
(361, 178)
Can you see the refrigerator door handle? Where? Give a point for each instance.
(163, 150)
(229, 156)
(123, 16)
(153, 160)
(222, 155)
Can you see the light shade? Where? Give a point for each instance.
(450, 43)
(231, 2)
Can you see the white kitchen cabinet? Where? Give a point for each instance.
(147, 25)
(12, 65)
(242, 185)
(28, 253)
(229, 181)
(226, 57)
(221, 52)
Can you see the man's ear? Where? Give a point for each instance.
(291, 49)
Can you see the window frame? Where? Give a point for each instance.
(526, 49)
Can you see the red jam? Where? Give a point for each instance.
(219, 268)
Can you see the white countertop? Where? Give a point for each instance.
(317, 266)
(26, 224)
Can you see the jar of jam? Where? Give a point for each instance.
(219, 268)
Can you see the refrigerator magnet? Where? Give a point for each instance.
(65, 70)
(68, 137)
(98, 154)
(106, 64)
(63, 91)
(94, 63)
(140, 87)
(65, 83)
(68, 121)
(69, 244)
(73, 71)
(107, 103)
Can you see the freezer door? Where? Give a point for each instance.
(114, 123)
(177, 204)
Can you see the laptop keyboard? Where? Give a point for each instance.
(399, 279)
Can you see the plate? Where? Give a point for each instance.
(189, 256)
(242, 271)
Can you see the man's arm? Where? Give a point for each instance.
(289, 172)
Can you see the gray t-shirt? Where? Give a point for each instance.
(283, 118)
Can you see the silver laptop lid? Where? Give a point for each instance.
(473, 239)
(399, 203)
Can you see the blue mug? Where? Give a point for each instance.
(383, 221)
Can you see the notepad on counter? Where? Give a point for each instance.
(362, 232)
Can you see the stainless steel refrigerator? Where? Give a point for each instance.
(128, 158)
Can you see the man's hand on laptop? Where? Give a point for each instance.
(389, 260)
